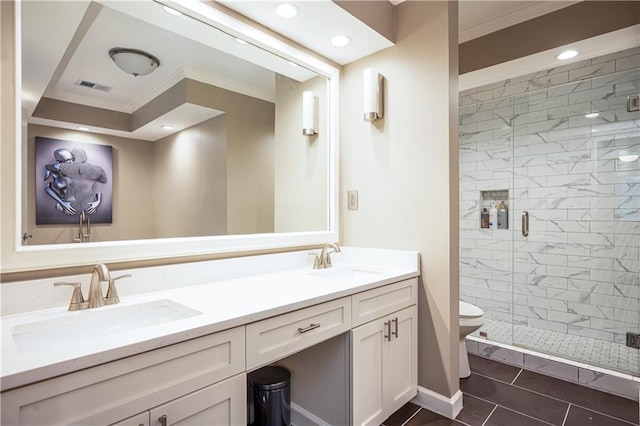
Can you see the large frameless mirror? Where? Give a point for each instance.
(165, 129)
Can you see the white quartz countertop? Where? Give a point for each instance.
(213, 307)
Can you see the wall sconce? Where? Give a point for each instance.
(373, 95)
(308, 114)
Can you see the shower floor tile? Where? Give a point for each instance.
(591, 351)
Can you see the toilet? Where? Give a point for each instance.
(471, 319)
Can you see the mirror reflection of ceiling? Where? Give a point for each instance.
(56, 57)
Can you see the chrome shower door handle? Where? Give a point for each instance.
(525, 224)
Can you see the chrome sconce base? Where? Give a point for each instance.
(309, 132)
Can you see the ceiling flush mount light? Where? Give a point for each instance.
(373, 95)
(167, 127)
(286, 11)
(133, 61)
(628, 158)
(567, 54)
(592, 115)
(340, 40)
(308, 114)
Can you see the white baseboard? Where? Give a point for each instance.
(432, 401)
(301, 417)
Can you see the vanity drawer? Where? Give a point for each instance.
(283, 335)
(381, 301)
(110, 392)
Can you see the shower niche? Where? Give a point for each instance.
(494, 209)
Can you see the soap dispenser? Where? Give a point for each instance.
(503, 216)
(484, 219)
(493, 217)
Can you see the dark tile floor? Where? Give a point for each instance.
(502, 395)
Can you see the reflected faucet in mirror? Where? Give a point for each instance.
(96, 297)
(84, 235)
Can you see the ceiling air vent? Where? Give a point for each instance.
(96, 86)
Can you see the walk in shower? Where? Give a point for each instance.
(562, 146)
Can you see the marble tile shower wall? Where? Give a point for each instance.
(578, 271)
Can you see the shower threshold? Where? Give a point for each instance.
(607, 366)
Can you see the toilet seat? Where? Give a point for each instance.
(467, 310)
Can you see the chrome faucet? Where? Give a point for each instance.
(323, 260)
(96, 297)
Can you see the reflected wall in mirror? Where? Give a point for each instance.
(235, 161)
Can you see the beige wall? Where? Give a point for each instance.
(301, 162)
(132, 189)
(405, 168)
(250, 170)
(190, 181)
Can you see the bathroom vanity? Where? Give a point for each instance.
(183, 353)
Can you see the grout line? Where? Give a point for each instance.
(489, 377)
(508, 409)
(412, 416)
(572, 403)
(517, 375)
(492, 411)
(566, 415)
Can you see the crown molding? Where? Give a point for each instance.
(527, 11)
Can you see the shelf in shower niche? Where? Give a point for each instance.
(493, 198)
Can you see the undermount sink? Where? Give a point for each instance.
(77, 328)
(346, 272)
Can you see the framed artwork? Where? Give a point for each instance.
(71, 178)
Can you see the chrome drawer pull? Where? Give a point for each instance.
(311, 327)
(395, 320)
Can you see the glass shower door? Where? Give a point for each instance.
(486, 181)
(577, 174)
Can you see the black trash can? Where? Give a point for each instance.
(269, 390)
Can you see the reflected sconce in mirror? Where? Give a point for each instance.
(373, 95)
(309, 124)
(133, 61)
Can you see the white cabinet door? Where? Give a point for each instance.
(401, 382)
(141, 419)
(222, 404)
(384, 366)
(367, 372)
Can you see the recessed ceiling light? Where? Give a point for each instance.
(286, 11)
(167, 127)
(171, 11)
(567, 54)
(592, 115)
(241, 41)
(340, 41)
(84, 128)
(629, 158)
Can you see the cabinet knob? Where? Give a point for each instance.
(163, 420)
